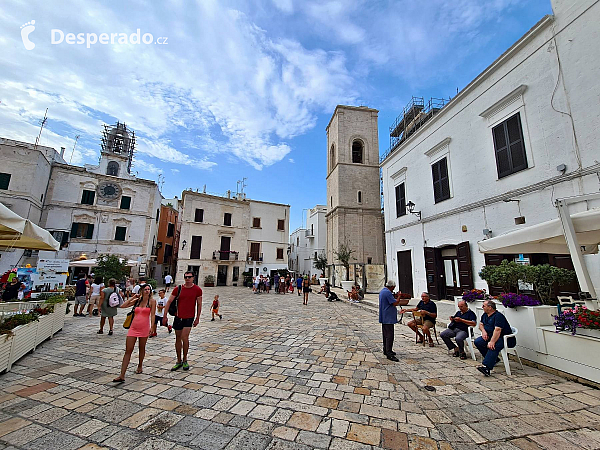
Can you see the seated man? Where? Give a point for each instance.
(493, 327)
(428, 308)
(459, 329)
(353, 294)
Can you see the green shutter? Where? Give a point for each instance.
(4, 180)
(87, 197)
(74, 228)
(125, 202)
(90, 231)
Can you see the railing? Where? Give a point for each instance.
(225, 255)
(255, 256)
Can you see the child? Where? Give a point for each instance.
(160, 311)
(215, 308)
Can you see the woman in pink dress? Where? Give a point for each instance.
(145, 308)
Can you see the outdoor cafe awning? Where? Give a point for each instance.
(93, 263)
(548, 237)
(18, 232)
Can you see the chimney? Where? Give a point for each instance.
(228, 194)
(62, 152)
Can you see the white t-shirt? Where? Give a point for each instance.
(168, 279)
(160, 306)
(136, 289)
(96, 288)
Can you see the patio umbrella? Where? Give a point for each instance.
(17, 232)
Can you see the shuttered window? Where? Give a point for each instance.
(4, 180)
(441, 182)
(170, 229)
(509, 146)
(280, 225)
(196, 245)
(279, 253)
(125, 202)
(227, 219)
(256, 222)
(82, 230)
(120, 233)
(400, 200)
(199, 215)
(87, 197)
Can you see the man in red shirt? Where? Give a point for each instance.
(188, 305)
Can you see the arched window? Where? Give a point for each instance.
(357, 152)
(112, 168)
(332, 155)
(359, 197)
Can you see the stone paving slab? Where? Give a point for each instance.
(277, 375)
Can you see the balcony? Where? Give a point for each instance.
(225, 255)
(309, 234)
(255, 257)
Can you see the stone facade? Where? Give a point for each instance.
(306, 242)
(354, 202)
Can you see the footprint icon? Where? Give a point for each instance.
(26, 30)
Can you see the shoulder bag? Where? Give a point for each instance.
(130, 315)
(174, 304)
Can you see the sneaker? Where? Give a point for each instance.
(170, 329)
(100, 332)
(484, 370)
(220, 317)
(186, 366)
(176, 366)
(212, 320)
(110, 332)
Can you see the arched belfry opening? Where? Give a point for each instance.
(357, 151)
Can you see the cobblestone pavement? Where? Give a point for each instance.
(274, 374)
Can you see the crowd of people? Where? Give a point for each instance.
(492, 325)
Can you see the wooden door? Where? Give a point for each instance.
(255, 251)
(405, 280)
(225, 247)
(565, 262)
(434, 273)
(465, 267)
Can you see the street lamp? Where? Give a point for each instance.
(411, 209)
(183, 244)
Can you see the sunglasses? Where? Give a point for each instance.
(189, 277)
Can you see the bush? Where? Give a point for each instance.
(545, 278)
(209, 279)
(152, 282)
(507, 275)
(16, 320)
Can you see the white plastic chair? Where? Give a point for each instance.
(469, 340)
(505, 350)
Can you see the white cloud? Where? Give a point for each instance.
(140, 164)
(174, 171)
(291, 160)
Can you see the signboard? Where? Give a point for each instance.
(525, 262)
(375, 277)
(25, 276)
(54, 265)
(48, 282)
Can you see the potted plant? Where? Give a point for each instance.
(321, 264)
(580, 320)
(344, 254)
(545, 278)
(209, 281)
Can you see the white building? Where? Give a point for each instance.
(520, 135)
(307, 243)
(24, 179)
(225, 236)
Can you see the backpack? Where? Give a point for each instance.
(173, 306)
(115, 299)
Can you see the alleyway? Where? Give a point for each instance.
(274, 374)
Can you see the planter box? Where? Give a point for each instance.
(23, 341)
(5, 347)
(589, 333)
(58, 315)
(347, 285)
(44, 328)
(209, 284)
(322, 281)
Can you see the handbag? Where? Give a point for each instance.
(130, 314)
(174, 304)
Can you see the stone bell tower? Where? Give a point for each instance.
(353, 197)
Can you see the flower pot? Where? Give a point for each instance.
(347, 285)
(5, 347)
(403, 301)
(322, 281)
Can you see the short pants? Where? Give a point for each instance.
(180, 324)
(95, 299)
(158, 320)
(80, 300)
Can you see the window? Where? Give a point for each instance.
(256, 222)
(332, 158)
(120, 233)
(82, 230)
(509, 146)
(199, 215)
(195, 247)
(279, 253)
(4, 180)
(369, 260)
(357, 152)
(298, 241)
(157, 215)
(170, 229)
(312, 229)
(400, 200)
(315, 255)
(331, 201)
(87, 197)
(255, 251)
(125, 202)
(62, 237)
(441, 182)
(112, 168)
(359, 197)
(280, 225)
(227, 219)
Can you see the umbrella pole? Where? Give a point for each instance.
(583, 276)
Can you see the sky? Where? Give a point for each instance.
(238, 89)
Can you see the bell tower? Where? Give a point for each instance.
(118, 144)
(353, 198)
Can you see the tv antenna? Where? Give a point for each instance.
(42, 123)
(73, 151)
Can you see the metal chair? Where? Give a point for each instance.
(422, 316)
(566, 301)
(504, 351)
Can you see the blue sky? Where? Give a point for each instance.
(242, 88)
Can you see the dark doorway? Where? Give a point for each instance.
(434, 273)
(196, 271)
(405, 281)
(222, 276)
(225, 247)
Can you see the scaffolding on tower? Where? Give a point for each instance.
(120, 140)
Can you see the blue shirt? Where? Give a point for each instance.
(299, 282)
(80, 288)
(469, 315)
(429, 307)
(387, 312)
(495, 320)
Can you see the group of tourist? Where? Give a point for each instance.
(283, 284)
(493, 326)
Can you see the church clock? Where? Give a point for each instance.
(109, 190)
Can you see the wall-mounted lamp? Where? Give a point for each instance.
(411, 209)
(183, 244)
(487, 233)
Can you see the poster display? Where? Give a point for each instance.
(25, 277)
